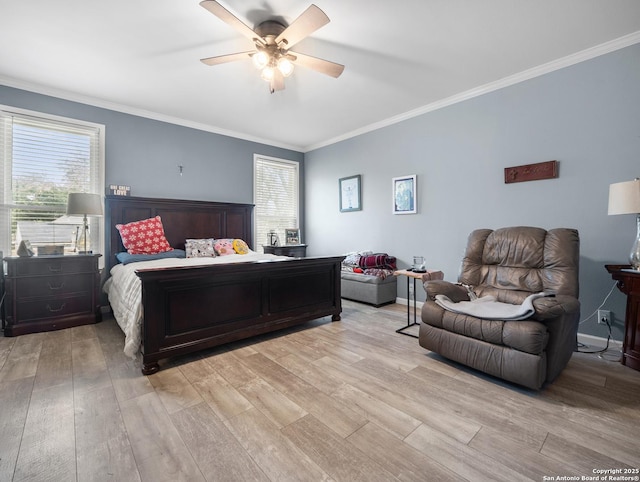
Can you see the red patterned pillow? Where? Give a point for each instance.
(144, 237)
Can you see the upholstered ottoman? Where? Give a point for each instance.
(374, 290)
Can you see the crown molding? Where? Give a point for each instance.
(528, 74)
(125, 109)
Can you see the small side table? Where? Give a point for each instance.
(428, 276)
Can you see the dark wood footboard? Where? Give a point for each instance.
(189, 309)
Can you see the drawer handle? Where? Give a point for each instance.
(52, 310)
(55, 269)
(53, 288)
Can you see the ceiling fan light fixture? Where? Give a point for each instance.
(273, 39)
(285, 66)
(267, 73)
(260, 59)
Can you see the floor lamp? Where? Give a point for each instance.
(624, 198)
(85, 204)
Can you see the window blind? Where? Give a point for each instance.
(43, 159)
(276, 198)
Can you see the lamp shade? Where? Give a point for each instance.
(624, 197)
(84, 203)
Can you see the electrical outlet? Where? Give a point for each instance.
(604, 317)
(410, 289)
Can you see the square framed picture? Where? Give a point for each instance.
(350, 193)
(292, 236)
(405, 195)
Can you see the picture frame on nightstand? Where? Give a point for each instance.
(292, 236)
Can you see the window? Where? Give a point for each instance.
(43, 158)
(276, 199)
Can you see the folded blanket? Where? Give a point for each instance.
(353, 258)
(489, 309)
(378, 260)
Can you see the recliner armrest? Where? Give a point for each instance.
(553, 307)
(453, 291)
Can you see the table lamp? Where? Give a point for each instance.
(85, 204)
(624, 198)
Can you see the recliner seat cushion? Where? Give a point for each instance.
(527, 336)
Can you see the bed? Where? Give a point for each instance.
(188, 308)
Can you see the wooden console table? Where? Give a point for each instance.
(629, 283)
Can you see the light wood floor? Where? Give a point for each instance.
(343, 401)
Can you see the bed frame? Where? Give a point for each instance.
(189, 309)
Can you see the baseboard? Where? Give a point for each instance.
(598, 341)
(404, 301)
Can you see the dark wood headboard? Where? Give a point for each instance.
(181, 219)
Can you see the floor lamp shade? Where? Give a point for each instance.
(84, 204)
(624, 198)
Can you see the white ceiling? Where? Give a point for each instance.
(401, 58)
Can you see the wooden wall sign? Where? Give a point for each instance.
(531, 172)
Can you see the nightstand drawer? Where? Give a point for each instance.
(53, 307)
(55, 265)
(41, 286)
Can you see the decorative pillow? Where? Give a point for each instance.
(223, 247)
(126, 258)
(199, 248)
(144, 237)
(240, 247)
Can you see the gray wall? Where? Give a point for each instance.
(145, 154)
(586, 116)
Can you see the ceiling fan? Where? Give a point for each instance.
(272, 41)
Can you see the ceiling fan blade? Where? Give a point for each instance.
(277, 83)
(222, 59)
(230, 19)
(319, 65)
(308, 22)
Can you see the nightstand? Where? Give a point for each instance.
(629, 283)
(293, 250)
(44, 293)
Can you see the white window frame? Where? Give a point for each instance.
(258, 242)
(6, 175)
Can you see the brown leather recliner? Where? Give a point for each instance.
(510, 264)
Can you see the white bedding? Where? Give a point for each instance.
(124, 291)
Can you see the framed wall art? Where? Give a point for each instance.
(350, 193)
(405, 195)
